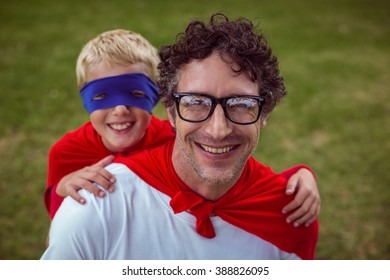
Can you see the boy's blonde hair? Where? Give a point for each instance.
(118, 46)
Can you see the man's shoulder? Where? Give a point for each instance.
(260, 172)
(128, 196)
(261, 181)
(119, 169)
(125, 178)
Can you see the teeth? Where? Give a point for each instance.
(120, 126)
(217, 150)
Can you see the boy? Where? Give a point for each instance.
(116, 72)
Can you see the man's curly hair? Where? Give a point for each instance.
(237, 42)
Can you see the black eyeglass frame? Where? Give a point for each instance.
(214, 102)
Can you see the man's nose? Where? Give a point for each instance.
(218, 126)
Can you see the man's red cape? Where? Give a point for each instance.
(253, 204)
(84, 147)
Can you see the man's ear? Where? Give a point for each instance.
(264, 120)
(171, 113)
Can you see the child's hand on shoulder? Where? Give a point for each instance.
(85, 179)
(304, 209)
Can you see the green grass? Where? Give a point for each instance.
(333, 54)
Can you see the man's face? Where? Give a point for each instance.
(213, 152)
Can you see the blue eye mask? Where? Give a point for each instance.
(133, 89)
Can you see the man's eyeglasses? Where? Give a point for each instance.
(195, 107)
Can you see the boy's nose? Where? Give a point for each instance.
(121, 110)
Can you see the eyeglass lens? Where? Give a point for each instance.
(240, 109)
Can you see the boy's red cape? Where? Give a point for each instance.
(254, 204)
(84, 147)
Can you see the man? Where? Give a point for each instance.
(202, 195)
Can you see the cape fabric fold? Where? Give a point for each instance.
(254, 204)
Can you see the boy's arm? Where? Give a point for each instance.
(307, 201)
(86, 178)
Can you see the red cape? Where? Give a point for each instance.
(254, 204)
(83, 147)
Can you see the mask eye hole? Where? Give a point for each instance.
(137, 93)
(99, 96)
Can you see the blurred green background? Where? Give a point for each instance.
(334, 56)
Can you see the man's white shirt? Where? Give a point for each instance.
(137, 222)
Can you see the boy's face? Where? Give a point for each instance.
(121, 127)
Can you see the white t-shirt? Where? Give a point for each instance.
(137, 222)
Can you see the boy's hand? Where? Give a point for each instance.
(85, 179)
(307, 202)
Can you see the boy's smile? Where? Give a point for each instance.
(120, 126)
